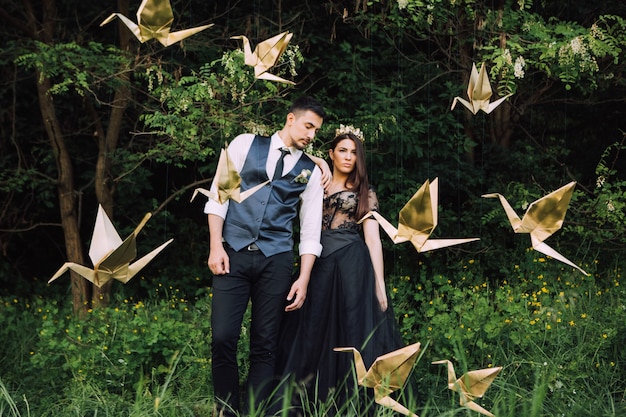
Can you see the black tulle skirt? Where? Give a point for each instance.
(341, 310)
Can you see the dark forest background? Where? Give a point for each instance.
(89, 115)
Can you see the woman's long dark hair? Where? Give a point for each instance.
(357, 179)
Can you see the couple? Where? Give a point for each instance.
(251, 258)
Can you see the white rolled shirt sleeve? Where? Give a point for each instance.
(311, 215)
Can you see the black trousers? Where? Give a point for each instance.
(265, 281)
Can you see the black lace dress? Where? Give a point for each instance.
(341, 308)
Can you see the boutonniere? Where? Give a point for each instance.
(303, 176)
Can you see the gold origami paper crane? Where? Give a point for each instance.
(418, 219)
(479, 92)
(154, 21)
(266, 55)
(110, 255)
(228, 183)
(387, 374)
(543, 217)
(471, 385)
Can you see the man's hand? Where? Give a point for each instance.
(297, 294)
(327, 175)
(218, 261)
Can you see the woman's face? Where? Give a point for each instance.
(343, 156)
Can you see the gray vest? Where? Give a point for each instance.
(266, 217)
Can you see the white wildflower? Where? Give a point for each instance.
(507, 56)
(610, 206)
(518, 68)
(402, 4)
(600, 181)
(588, 64)
(595, 32)
(577, 45)
(566, 55)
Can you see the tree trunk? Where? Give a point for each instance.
(107, 143)
(65, 174)
(67, 196)
(501, 121)
(104, 186)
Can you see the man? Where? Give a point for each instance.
(251, 248)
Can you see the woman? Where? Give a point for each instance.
(346, 304)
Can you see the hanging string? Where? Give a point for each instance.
(482, 154)
(399, 162)
(565, 105)
(371, 100)
(166, 197)
(428, 106)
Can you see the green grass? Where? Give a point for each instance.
(558, 335)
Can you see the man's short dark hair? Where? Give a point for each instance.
(305, 103)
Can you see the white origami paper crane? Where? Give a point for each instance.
(154, 21)
(542, 219)
(266, 55)
(228, 183)
(471, 385)
(479, 92)
(418, 219)
(387, 374)
(110, 255)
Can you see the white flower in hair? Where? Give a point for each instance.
(344, 129)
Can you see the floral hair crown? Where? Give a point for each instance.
(344, 129)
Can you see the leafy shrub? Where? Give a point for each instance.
(556, 332)
(122, 350)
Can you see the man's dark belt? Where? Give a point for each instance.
(251, 247)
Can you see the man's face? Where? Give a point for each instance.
(301, 128)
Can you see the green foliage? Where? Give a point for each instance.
(514, 40)
(71, 66)
(204, 110)
(7, 404)
(557, 334)
(123, 351)
(390, 69)
(605, 206)
(566, 50)
(555, 331)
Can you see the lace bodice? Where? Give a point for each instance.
(340, 210)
